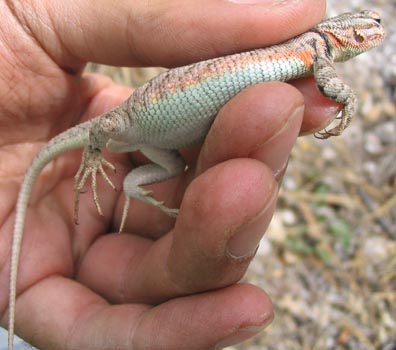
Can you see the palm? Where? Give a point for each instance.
(40, 105)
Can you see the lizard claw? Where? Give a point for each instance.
(321, 135)
(145, 196)
(92, 163)
(325, 134)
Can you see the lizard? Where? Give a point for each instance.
(176, 109)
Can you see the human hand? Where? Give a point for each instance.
(160, 285)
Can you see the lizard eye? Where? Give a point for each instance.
(358, 37)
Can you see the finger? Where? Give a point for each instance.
(161, 32)
(222, 318)
(229, 196)
(58, 313)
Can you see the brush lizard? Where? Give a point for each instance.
(177, 108)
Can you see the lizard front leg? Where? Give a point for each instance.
(331, 86)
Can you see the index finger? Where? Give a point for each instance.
(166, 33)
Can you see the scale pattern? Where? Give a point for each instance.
(170, 109)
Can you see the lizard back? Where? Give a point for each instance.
(169, 109)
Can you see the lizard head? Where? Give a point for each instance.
(350, 34)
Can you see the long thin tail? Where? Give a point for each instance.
(75, 137)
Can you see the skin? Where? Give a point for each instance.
(161, 283)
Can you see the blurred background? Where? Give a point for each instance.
(328, 260)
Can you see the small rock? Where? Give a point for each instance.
(376, 249)
(387, 132)
(289, 217)
(372, 144)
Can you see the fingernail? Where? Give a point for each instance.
(242, 334)
(244, 242)
(275, 152)
(327, 122)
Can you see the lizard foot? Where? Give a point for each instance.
(92, 163)
(325, 134)
(145, 196)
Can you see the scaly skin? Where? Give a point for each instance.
(177, 108)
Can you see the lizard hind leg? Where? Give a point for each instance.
(92, 163)
(166, 164)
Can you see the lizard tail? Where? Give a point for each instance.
(75, 137)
